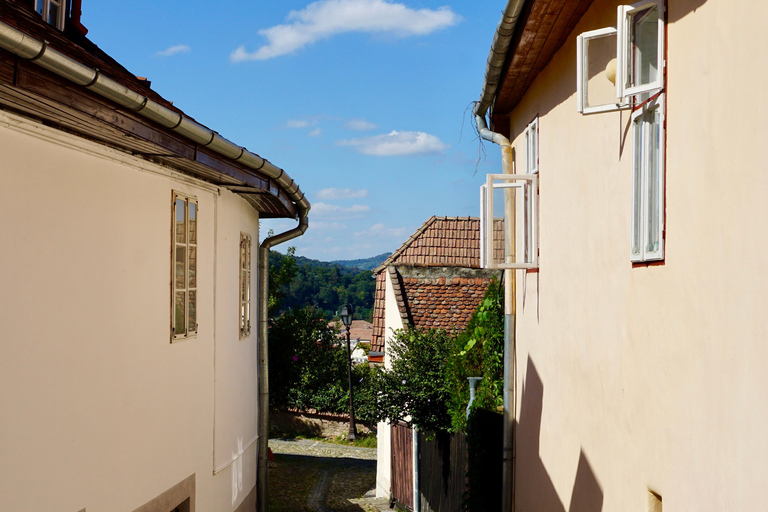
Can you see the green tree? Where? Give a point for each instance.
(307, 367)
(282, 271)
(415, 389)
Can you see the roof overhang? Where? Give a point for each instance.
(36, 88)
(541, 30)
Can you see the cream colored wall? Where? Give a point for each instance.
(650, 377)
(392, 322)
(100, 410)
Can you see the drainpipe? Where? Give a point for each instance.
(499, 48)
(415, 453)
(262, 475)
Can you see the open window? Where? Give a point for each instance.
(648, 181)
(596, 52)
(615, 64)
(640, 58)
(509, 202)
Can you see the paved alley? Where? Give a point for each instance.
(322, 477)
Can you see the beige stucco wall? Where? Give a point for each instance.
(650, 377)
(392, 322)
(99, 410)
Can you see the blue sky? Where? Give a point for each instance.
(362, 102)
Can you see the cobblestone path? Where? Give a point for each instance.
(310, 476)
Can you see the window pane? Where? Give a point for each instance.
(181, 256)
(645, 46)
(637, 183)
(242, 253)
(192, 223)
(181, 236)
(53, 15)
(248, 287)
(39, 6)
(193, 267)
(192, 311)
(653, 180)
(179, 314)
(248, 254)
(243, 286)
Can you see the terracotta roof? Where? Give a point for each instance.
(377, 341)
(439, 297)
(359, 330)
(445, 241)
(444, 303)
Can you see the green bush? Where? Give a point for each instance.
(478, 351)
(415, 389)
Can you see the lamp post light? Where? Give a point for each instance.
(346, 318)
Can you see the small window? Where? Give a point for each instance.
(532, 147)
(52, 11)
(640, 63)
(245, 285)
(184, 265)
(648, 181)
(502, 194)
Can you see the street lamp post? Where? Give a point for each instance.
(346, 318)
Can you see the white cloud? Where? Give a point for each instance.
(327, 18)
(341, 193)
(327, 226)
(360, 125)
(173, 50)
(379, 230)
(316, 132)
(331, 210)
(397, 144)
(301, 123)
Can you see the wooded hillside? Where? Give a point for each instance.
(326, 285)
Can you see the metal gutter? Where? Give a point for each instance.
(56, 62)
(493, 70)
(262, 473)
(496, 57)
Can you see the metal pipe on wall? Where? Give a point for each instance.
(501, 41)
(262, 474)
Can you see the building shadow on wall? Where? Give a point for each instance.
(534, 488)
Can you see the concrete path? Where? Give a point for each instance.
(322, 477)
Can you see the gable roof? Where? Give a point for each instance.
(444, 242)
(436, 276)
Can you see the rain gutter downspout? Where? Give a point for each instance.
(262, 473)
(499, 49)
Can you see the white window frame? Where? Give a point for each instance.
(528, 184)
(245, 285)
(43, 7)
(582, 75)
(644, 254)
(532, 147)
(624, 85)
(189, 286)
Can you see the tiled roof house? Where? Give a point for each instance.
(434, 278)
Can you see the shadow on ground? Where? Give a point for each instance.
(300, 483)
